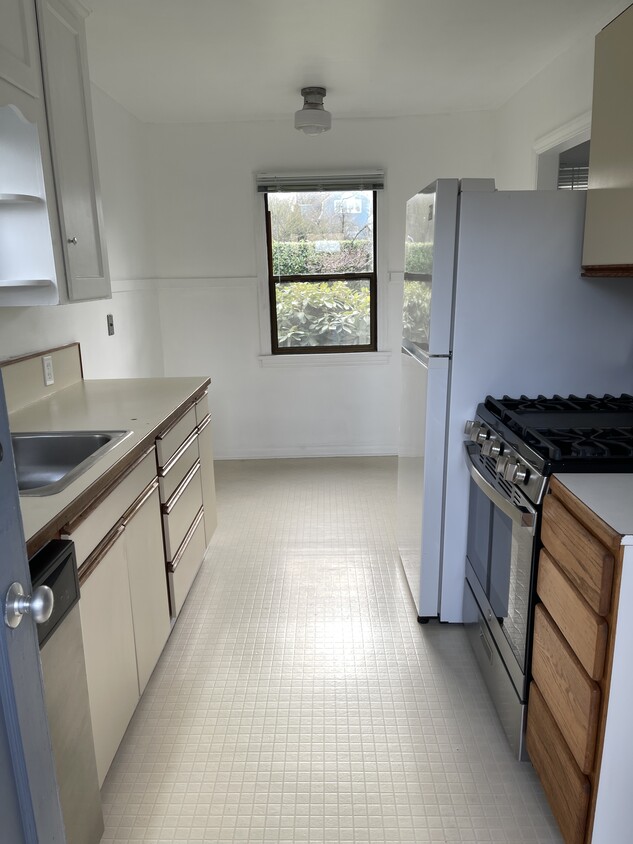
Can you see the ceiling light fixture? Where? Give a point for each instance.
(313, 118)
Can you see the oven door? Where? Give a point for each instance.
(501, 549)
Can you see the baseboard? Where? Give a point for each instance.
(309, 451)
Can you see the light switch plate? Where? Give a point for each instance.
(47, 366)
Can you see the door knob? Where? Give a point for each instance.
(17, 604)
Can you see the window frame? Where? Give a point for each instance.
(273, 280)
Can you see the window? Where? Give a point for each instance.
(573, 168)
(322, 269)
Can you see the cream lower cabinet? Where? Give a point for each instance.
(124, 604)
(108, 632)
(205, 448)
(148, 585)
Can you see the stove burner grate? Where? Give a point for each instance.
(613, 443)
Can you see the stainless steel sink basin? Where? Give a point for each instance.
(47, 462)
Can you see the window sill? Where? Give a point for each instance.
(331, 359)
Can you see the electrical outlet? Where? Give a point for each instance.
(110, 319)
(47, 366)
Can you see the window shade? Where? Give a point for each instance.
(365, 180)
(573, 177)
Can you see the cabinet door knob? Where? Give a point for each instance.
(72, 240)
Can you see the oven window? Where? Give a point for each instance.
(479, 530)
(500, 553)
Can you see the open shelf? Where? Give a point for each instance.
(20, 283)
(13, 198)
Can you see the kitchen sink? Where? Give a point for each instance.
(47, 462)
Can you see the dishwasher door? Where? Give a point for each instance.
(66, 695)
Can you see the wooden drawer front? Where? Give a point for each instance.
(180, 511)
(168, 443)
(202, 408)
(91, 530)
(566, 787)
(571, 696)
(185, 567)
(172, 475)
(585, 561)
(584, 629)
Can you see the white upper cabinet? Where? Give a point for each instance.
(19, 53)
(67, 92)
(608, 246)
(31, 265)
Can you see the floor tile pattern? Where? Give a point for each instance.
(298, 699)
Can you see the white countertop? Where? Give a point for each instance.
(139, 405)
(610, 496)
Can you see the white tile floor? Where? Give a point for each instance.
(298, 699)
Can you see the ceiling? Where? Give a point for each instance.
(182, 61)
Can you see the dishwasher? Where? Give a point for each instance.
(66, 694)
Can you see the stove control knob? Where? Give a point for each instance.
(477, 433)
(496, 448)
(468, 427)
(509, 470)
(516, 473)
(488, 445)
(481, 436)
(502, 462)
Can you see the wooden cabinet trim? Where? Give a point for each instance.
(584, 559)
(136, 506)
(571, 696)
(182, 486)
(206, 421)
(607, 271)
(172, 566)
(166, 431)
(164, 470)
(585, 631)
(99, 553)
(72, 525)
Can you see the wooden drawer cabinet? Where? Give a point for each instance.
(585, 561)
(567, 788)
(584, 629)
(570, 694)
(578, 582)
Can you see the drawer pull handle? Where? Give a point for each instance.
(169, 505)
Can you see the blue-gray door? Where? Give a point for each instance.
(29, 806)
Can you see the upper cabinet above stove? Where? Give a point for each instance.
(608, 246)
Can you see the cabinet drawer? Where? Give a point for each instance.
(202, 408)
(170, 441)
(180, 511)
(87, 531)
(567, 788)
(172, 475)
(585, 560)
(185, 566)
(571, 695)
(584, 629)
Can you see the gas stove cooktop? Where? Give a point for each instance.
(590, 433)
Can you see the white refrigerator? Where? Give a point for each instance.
(494, 303)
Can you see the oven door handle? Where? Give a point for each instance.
(524, 516)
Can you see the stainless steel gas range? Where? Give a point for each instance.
(513, 447)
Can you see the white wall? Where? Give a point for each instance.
(205, 218)
(559, 94)
(135, 349)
